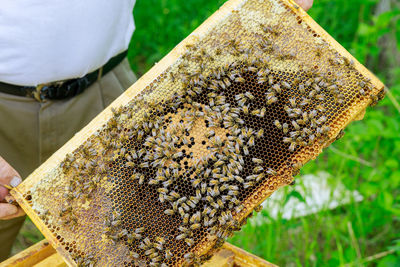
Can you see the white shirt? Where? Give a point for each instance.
(43, 41)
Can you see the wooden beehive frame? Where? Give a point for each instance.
(147, 79)
(42, 254)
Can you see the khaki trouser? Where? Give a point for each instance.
(31, 131)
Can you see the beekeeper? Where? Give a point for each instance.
(61, 63)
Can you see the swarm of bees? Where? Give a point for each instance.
(163, 141)
(198, 153)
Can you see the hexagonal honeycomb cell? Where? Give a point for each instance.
(178, 162)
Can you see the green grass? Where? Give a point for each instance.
(366, 159)
(325, 238)
(161, 25)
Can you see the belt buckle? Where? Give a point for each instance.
(40, 93)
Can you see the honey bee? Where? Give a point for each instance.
(240, 79)
(292, 146)
(258, 208)
(185, 207)
(270, 79)
(285, 128)
(321, 120)
(257, 161)
(133, 255)
(239, 179)
(195, 226)
(181, 236)
(269, 94)
(245, 150)
(277, 88)
(153, 182)
(340, 134)
(305, 116)
(278, 124)
(262, 112)
(149, 251)
(300, 122)
(258, 169)
(188, 256)
(181, 200)
(239, 97)
(249, 95)
(305, 131)
(215, 191)
(271, 100)
(155, 260)
(65, 211)
(139, 230)
(248, 184)
(223, 187)
(245, 109)
(192, 204)
(212, 213)
(252, 69)
(294, 134)
(286, 85)
(312, 93)
(262, 79)
(209, 198)
(196, 182)
(319, 97)
(295, 125)
(136, 236)
(325, 129)
(169, 211)
(258, 177)
(332, 88)
(269, 29)
(305, 101)
(147, 242)
(260, 133)
(168, 254)
(292, 102)
(167, 183)
(271, 171)
(302, 88)
(348, 62)
(251, 141)
(175, 195)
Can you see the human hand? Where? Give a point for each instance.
(10, 177)
(305, 4)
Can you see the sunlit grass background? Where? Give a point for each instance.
(366, 159)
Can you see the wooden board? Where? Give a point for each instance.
(43, 255)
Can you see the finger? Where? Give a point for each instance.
(6, 172)
(10, 199)
(3, 192)
(19, 213)
(305, 4)
(4, 187)
(8, 211)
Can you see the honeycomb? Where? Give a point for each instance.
(176, 164)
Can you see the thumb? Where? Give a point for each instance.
(7, 210)
(7, 172)
(8, 176)
(305, 4)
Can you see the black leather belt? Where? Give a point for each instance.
(63, 89)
